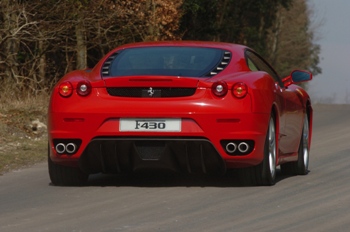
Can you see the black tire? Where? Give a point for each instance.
(300, 167)
(265, 172)
(66, 176)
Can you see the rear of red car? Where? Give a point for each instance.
(180, 108)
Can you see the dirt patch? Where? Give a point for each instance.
(23, 134)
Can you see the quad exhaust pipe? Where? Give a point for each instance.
(60, 148)
(243, 147)
(69, 148)
(232, 147)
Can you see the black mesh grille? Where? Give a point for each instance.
(150, 92)
(150, 150)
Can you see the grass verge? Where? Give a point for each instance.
(23, 134)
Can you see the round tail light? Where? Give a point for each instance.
(219, 88)
(65, 89)
(84, 88)
(239, 90)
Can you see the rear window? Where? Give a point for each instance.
(168, 61)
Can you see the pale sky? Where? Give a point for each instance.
(333, 85)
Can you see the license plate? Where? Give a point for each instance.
(145, 124)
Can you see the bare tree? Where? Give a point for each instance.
(291, 40)
(16, 25)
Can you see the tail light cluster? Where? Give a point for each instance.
(239, 90)
(66, 88)
(220, 89)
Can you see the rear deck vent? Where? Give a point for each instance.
(222, 65)
(105, 72)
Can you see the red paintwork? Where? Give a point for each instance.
(203, 114)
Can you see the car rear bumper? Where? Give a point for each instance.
(192, 150)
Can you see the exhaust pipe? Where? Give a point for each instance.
(71, 148)
(243, 147)
(60, 148)
(231, 147)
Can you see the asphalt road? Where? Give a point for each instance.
(319, 201)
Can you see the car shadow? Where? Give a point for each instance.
(166, 179)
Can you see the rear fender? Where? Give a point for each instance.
(262, 90)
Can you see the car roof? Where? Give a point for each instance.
(209, 44)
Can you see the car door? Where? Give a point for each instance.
(294, 120)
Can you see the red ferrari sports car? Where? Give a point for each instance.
(196, 107)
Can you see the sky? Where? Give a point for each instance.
(332, 21)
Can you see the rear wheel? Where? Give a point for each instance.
(66, 176)
(300, 167)
(265, 172)
(269, 162)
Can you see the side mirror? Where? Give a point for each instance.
(300, 76)
(297, 76)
